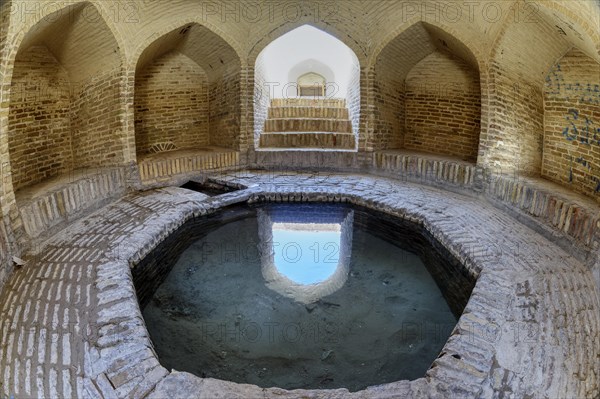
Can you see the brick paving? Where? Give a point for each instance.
(70, 325)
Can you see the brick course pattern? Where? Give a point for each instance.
(513, 141)
(308, 123)
(171, 104)
(225, 111)
(96, 114)
(68, 73)
(442, 107)
(40, 133)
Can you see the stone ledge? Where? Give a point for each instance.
(163, 167)
(549, 208)
(570, 213)
(308, 125)
(307, 140)
(426, 168)
(61, 200)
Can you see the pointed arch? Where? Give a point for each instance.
(359, 49)
(95, 29)
(63, 90)
(418, 76)
(193, 66)
(71, 96)
(311, 66)
(273, 68)
(464, 42)
(178, 25)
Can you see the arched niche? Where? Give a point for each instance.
(314, 66)
(311, 84)
(519, 62)
(65, 107)
(187, 92)
(428, 95)
(171, 105)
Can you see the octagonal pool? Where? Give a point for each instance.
(301, 296)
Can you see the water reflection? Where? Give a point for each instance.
(305, 255)
(219, 312)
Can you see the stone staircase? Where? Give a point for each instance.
(307, 123)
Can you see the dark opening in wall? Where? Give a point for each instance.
(212, 187)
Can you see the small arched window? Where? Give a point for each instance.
(311, 84)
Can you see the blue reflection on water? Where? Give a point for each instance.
(306, 255)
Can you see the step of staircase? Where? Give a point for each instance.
(309, 102)
(308, 112)
(320, 140)
(308, 125)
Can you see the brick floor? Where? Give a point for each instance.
(70, 324)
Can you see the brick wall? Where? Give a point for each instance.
(515, 135)
(171, 104)
(353, 97)
(391, 68)
(39, 120)
(572, 124)
(442, 107)
(57, 126)
(260, 100)
(96, 112)
(520, 60)
(225, 109)
(436, 108)
(7, 236)
(389, 115)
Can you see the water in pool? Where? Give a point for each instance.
(299, 296)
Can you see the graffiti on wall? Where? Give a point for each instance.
(584, 92)
(580, 129)
(583, 130)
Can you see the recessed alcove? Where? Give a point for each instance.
(65, 132)
(430, 99)
(187, 103)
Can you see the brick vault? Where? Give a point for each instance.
(480, 120)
